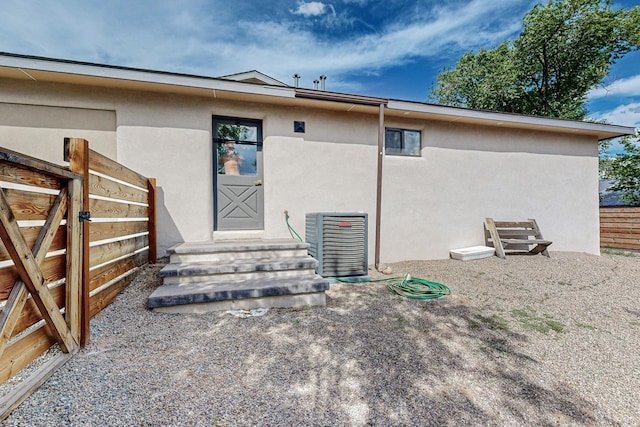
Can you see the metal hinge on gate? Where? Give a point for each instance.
(85, 216)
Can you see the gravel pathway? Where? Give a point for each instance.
(520, 342)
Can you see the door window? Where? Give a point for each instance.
(237, 143)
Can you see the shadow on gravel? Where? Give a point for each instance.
(373, 358)
(369, 358)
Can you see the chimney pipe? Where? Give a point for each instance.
(315, 84)
(322, 80)
(296, 80)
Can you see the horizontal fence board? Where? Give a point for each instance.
(21, 175)
(53, 268)
(622, 233)
(106, 273)
(108, 209)
(607, 223)
(620, 217)
(623, 246)
(29, 206)
(620, 210)
(106, 166)
(621, 239)
(110, 251)
(101, 186)
(20, 353)
(31, 234)
(31, 315)
(100, 300)
(24, 161)
(110, 230)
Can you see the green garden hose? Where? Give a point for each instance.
(418, 288)
(291, 230)
(408, 287)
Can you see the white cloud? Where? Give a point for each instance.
(313, 8)
(623, 87)
(625, 115)
(211, 37)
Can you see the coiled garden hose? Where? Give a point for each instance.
(408, 287)
(418, 288)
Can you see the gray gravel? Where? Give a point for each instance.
(520, 342)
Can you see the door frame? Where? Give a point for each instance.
(258, 124)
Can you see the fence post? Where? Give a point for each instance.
(77, 154)
(74, 274)
(151, 200)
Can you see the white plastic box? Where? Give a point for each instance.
(471, 253)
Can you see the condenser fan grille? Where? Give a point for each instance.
(339, 242)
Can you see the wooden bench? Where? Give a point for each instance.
(516, 237)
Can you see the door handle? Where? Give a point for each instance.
(257, 182)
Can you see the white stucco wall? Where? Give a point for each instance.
(468, 173)
(430, 204)
(39, 130)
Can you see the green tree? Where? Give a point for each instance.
(624, 170)
(566, 48)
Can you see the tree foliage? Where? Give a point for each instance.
(624, 171)
(566, 48)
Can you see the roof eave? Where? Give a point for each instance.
(46, 65)
(454, 114)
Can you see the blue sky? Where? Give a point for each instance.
(393, 48)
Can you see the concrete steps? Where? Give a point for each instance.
(211, 276)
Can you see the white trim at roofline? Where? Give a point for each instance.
(135, 74)
(455, 114)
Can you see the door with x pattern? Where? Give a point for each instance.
(239, 198)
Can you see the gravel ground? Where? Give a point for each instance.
(520, 342)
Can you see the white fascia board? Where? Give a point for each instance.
(145, 76)
(455, 114)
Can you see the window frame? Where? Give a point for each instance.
(403, 147)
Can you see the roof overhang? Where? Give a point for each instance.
(491, 118)
(83, 73)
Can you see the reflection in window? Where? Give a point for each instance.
(402, 142)
(237, 147)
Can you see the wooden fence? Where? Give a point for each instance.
(72, 239)
(620, 228)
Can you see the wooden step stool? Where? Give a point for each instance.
(516, 237)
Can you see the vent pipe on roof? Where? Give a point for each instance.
(322, 80)
(296, 80)
(315, 84)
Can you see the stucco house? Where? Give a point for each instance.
(426, 175)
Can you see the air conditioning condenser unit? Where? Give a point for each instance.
(339, 242)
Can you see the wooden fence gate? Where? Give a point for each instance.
(56, 270)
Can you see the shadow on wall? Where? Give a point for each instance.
(505, 140)
(167, 230)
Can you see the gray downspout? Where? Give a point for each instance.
(379, 184)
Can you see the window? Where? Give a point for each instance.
(237, 142)
(402, 142)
